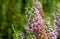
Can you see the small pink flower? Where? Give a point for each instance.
(38, 4)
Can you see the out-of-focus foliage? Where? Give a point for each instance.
(13, 12)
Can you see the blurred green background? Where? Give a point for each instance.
(12, 13)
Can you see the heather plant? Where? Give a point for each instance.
(35, 22)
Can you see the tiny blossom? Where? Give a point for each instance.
(38, 4)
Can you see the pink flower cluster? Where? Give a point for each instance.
(36, 24)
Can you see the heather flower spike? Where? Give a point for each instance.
(35, 22)
(57, 18)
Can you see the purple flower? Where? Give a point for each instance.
(38, 4)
